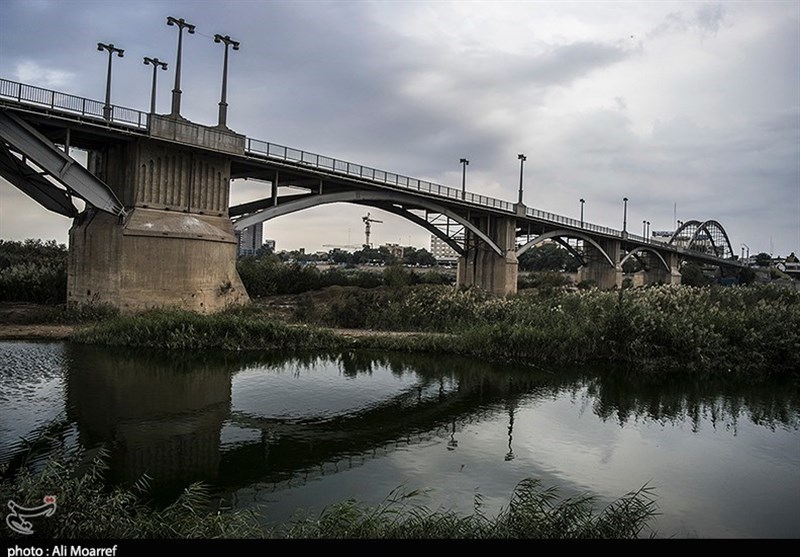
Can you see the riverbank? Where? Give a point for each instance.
(734, 330)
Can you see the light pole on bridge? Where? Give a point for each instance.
(582, 202)
(111, 50)
(223, 103)
(644, 229)
(647, 237)
(522, 158)
(624, 214)
(176, 91)
(156, 64)
(464, 164)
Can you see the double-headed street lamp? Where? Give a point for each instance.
(156, 64)
(522, 158)
(176, 91)
(223, 104)
(582, 202)
(111, 50)
(464, 164)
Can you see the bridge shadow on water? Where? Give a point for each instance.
(174, 416)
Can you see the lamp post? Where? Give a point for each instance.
(522, 158)
(644, 229)
(624, 214)
(582, 202)
(647, 237)
(111, 50)
(156, 64)
(223, 104)
(464, 164)
(176, 91)
(747, 261)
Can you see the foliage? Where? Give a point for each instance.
(764, 259)
(33, 271)
(548, 257)
(88, 509)
(184, 330)
(534, 512)
(268, 276)
(692, 275)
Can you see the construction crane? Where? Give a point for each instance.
(367, 221)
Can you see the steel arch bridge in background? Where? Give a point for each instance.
(707, 237)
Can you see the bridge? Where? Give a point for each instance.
(158, 229)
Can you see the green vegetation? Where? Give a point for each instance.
(734, 330)
(33, 271)
(237, 329)
(88, 509)
(268, 275)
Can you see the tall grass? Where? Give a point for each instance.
(88, 509)
(33, 271)
(185, 330)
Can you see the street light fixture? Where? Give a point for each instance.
(176, 91)
(644, 229)
(648, 231)
(223, 104)
(464, 164)
(624, 214)
(582, 202)
(111, 50)
(522, 158)
(156, 64)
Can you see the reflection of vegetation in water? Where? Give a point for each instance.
(629, 396)
(88, 509)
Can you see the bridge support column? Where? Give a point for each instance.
(598, 270)
(659, 275)
(481, 266)
(176, 246)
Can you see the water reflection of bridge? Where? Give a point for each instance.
(169, 423)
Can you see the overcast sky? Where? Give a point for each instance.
(694, 104)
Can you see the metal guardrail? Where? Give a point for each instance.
(321, 162)
(93, 110)
(79, 106)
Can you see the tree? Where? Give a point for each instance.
(747, 276)
(692, 275)
(764, 259)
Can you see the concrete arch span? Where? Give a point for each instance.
(643, 249)
(393, 202)
(558, 236)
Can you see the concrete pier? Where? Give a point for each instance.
(481, 266)
(176, 246)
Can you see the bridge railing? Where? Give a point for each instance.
(574, 223)
(274, 151)
(54, 100)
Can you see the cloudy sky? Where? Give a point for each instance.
(694, 105)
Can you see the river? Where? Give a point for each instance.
(292, 432)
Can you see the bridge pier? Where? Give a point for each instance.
(481, 266)
(175, 246)
(599, 270)
(658, 274)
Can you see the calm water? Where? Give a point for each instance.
(295, 432)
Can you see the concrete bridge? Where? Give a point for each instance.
(158, 230)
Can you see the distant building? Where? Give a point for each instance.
(250, 239)
(270, 245)
(442, 252)
(395, 250)
(791, 266)
(662, 236)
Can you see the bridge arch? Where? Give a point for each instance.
(558, 236)
(641, 249)
(713, 231)
(392, 202)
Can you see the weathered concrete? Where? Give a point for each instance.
(480, 266)
(175, 247)
(598, 269)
